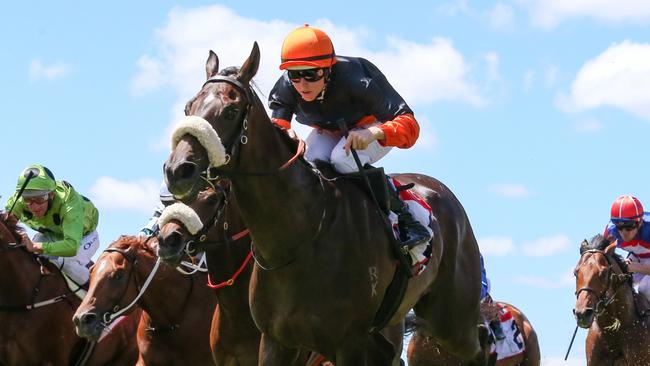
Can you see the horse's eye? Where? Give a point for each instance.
(231, 113)
(118, 275)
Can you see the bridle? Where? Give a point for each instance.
(234, 146)
(618, 279)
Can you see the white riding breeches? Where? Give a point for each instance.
(75, 267)
(328, 146)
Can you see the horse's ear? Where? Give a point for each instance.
(583, 246)
(610, 248)
(211, 65)
(250, 66)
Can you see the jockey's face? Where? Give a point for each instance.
(38, 205)
(309, 90)
(628, 234)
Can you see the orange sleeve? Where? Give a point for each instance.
(282, 123)
(402, 131)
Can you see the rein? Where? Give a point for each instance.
(213, 172)
(32, 304)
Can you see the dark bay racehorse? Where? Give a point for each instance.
(425, 351)
(324, 261)
(605, 304)
(177, 308)
(227, 244)
(36, 309)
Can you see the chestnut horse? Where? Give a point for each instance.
(227, 244)
(324, 259)
(36, 311)
(425, 351)
(177, 308)
(605, 303)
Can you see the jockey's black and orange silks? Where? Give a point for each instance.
(356, 92)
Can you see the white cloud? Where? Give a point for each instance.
(618, 77)
(140, 195)
(496, 246)
(546, 246)
(39, 71)
(588, 125)
(150, 76)
(501, 16)
(548, 13)
(421, 72)
(510, 190)
(565, 279)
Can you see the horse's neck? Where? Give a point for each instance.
(20, 277)
(166, 295)
(278, 200)
(621, 311)
(222, 265)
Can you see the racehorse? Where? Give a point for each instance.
(36, 309)
(425, 351)
(177, 308)
(324, 263)
(606, 305)
(225, 240)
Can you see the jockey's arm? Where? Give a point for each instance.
(72, 223)
(637, 267)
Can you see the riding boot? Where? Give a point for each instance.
(414, 232)
(495, 325)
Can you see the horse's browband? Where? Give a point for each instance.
(231, 81)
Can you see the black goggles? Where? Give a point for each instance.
(626, 225)
(310, 75)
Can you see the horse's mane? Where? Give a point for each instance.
(135, 243)
(600, 242)
(10, 222)
(291, 143)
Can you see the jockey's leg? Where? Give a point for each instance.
(320, 144)
(75, 267)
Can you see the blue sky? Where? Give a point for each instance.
(533, 112)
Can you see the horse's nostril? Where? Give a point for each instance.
(88, 318)
(185, 170)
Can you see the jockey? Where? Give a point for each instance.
(166, 199)
(322, 89)
(486, 300)
(65, 221)
(630, 226)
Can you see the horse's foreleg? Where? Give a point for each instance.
(272, 353)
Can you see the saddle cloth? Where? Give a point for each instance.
(513, 344)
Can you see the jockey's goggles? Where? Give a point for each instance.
(626, 225)
(310, 75)
(38, 200)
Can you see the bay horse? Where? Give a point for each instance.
(425, 351)
(225, 240)
(36, 313)
(323, 261)
(177, 309)
(606, 305)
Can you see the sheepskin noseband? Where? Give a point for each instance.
(207, 136)
(184, 214)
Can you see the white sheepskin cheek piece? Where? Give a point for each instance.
(184, 214)
(207, 136)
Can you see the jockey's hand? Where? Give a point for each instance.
(30, 245)
(293, 134)
(361, 138)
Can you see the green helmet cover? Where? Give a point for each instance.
(42, 179)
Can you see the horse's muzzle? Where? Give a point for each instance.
(181, 177)
(88, 325)
(170, 247)
(585, 317)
